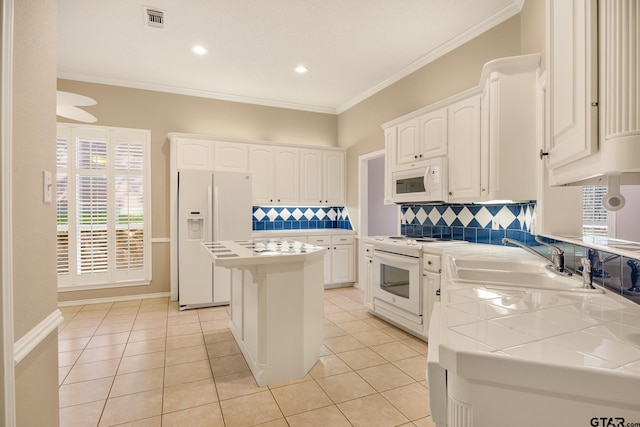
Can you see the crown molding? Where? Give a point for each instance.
(196, 92)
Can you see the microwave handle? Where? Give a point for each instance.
(426, 180)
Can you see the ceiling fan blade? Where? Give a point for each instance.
(75, 113)
(68, 98)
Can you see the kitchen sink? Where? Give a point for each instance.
(492, 272)
(493, 264)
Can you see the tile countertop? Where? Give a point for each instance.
(616, 246)
(581, 344)
(302, 232)
(242, 253)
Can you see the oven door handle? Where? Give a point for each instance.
(389, 256)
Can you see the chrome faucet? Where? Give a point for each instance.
(587, 276)
(557, 255)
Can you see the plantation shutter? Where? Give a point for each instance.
(594, 215)
(102, 207)
(62, 206)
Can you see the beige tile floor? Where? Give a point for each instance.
(146, 363)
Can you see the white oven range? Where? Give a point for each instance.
(405, 282)
(397, 280)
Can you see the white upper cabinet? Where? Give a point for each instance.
(487, 134)
(322, 177)
(418, 139)
(311, 172)
(287, 173)
(508, 123)
(593, 98)
(275, 174)
(464, 150)
(194, 154)
(231, 156)
(261, 165)
(433, 134)
(572, 80)
(282, 174)
(408, 144)
(334, 163)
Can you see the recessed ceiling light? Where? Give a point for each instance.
(199, 50)
(301, 69)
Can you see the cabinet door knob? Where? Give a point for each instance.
(450, 193)
(415, 156)
(429, 262)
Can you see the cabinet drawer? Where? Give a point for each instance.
(341, 240)
(320, 240)
(431, 263)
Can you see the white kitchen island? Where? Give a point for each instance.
(277, 303)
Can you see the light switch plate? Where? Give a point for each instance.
(47, 186)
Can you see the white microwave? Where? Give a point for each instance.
(428, 183)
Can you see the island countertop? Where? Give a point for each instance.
(239, 253)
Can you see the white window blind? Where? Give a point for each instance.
(103, 214)
(594, 215)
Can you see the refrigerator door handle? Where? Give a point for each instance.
(216, 225)
(210, 212)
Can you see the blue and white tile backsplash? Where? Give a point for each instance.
(490, 223)
(300, 218)
(473, 223)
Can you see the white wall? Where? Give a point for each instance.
(627, 220)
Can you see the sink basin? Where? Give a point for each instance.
(498, 265)
(496, 272)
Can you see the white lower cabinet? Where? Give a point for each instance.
(339, 260)
(368, 287)
(431, 280)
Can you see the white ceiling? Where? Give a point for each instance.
(353, 48)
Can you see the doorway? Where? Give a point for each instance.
(375, 217)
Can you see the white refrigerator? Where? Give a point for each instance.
(212, 206)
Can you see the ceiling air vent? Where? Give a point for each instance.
(154, 17)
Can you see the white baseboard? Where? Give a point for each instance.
(114, 299)
(35, 336)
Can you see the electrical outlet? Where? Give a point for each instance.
(495, 225)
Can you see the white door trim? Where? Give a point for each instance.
(363, 189)
(363, 203)
(6, 123)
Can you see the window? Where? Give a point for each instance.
(102, 206)
(594, 215)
